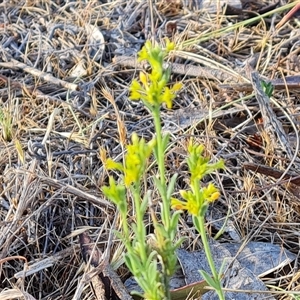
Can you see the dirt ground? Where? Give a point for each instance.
(65, 70)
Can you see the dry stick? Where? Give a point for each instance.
(93, 258)
(39, 265)
(75, 191)
(291, 181)
(273, 172)
(271, 123)
(34, 91)
(184, 118)
(14, 294)
(92, 254)
(290, 82)
(14, 64)
(189, 70)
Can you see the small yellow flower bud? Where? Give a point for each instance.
(214, 196)
(112, 165)
(143, 78)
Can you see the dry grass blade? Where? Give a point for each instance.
(121, 127)
(291, 181)
(37, 266)
(289, 82)
(15, 293)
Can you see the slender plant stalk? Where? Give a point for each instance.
(161, 163)
(161, 166)
(209, 257)
(165, 201)
(139, 220)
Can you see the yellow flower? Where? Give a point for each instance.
(189, 203)
(194, 203)
(116, 193)
(143, 79)
(211, 193)
(199, 165)
(168, 97)
(135, 90)
(191, 207)
(136, 159)
(112, 165)
(143, 53)
(169, 45)
(176, 87)
(153, 90)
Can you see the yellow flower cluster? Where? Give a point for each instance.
(135, 160)
(197, 199)
(153, 90)
(194, 204)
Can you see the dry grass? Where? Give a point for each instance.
(51, 171)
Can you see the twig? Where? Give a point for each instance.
(36, 92)
(79, 193)
(109, 278)
(93, 258)
(269, 171)
(289, 82)
(36, 265)
(14, 64)
(183, 69)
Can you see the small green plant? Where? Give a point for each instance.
(268, 88)
(6, 124)
(153, 264)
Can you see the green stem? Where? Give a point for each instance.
(125, 229)
(161, 163)
(209, 257)
(201, 229)
(167, 287)
(161, 166)
(140, 226)
(166, 215)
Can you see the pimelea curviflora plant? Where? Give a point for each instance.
(153, 264)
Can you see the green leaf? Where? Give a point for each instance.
(196, 222)
(115, 193)
(267, 87)
(203, 209)
(155, 151)
(220, 274)
(209, 279)
(171, 186)
(128, 263)
(145, 202)
(151, 261)
(160, 188)
(174, 224)
(190, 291)
(165, 141)
(179, 242)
